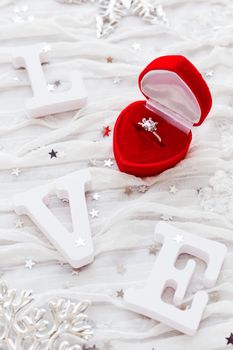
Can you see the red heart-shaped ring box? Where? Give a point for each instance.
(177, 98)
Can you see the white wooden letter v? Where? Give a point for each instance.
(76, 246)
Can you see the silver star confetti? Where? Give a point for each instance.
(120, 293)
(96, 196)
(29, 264)
(80, 242)
(75, 272)
(50, 87)
(209, 73)
(143, 188)
(214, 296)
(199, 190)
(15, 172)
(57, 83)
(16, 78)
(92, 162)
(108, 163)
(121, 269)
(19, 224)
(116, 81)
(178, 239)
(94, 213)
(46, 48)
(153, 249)
(67, 284)
(136, 46)
(166, 217)
(173, 189)
(128, 190)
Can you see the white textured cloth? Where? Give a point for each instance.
(124, 230)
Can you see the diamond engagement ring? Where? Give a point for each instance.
(150, 125)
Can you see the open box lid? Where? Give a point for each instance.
(176, 89)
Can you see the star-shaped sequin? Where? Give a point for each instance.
(199, 190)
(75, 272)
(19, 224)
(92, 162)
(153, 249)
(29, 264)
(178, 239)
(166, 217)
(173, 189)
(80, 242)
(108, 163)
(15, 78)
(121, 269)
(96, 196)
(94, 213)
(106, 131)
(230, 339)
(143, 188)
(128, 190)
(53, 154)
(46, 48)
(116, 81)
(57, 83)
(109, 59)
(209, 73)
(50, 87)
(136, 46)
(15, 172)
(214, 296)
(120, 293)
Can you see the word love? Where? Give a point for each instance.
(148, 300)
(45, 102)
(76, 246)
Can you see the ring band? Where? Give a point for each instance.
(151, 126)
(158, 137)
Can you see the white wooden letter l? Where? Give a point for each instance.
(44, 102)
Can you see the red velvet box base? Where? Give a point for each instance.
(149, 157)
(171, 84)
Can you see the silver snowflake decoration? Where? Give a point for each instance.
(111, 12)
(61, 324)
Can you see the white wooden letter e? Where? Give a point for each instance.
(76, 246)
(148, 300)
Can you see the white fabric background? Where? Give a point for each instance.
(123, 232)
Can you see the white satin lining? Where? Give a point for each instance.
(170, 97)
